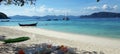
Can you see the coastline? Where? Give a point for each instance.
(97, 36)
(81, 42)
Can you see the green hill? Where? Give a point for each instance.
(102, 15)
(3, 16)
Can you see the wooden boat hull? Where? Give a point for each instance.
(33, 24)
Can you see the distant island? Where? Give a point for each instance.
(102, 15)
(47, 17)
(3, 16)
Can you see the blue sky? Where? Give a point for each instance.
(60, 7)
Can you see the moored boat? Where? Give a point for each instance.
(33, 24)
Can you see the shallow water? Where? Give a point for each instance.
(103, 27)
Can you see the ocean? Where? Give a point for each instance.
(101, 27)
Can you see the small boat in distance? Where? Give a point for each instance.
(66, 18)
(33, 24)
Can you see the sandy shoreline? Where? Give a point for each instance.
(82, 42)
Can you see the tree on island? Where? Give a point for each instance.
(20, 2)
(3, 16)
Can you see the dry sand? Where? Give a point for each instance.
(81, 42)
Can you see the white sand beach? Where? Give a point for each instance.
(81, 42)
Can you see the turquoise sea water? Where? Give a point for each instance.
(88, 26)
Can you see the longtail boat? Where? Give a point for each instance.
(33, 24)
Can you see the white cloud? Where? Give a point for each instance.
(34, 11)
(92, 8)
(103, 7)
(107, 7)
(50, 9)
(115, 7)
(44, 10)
